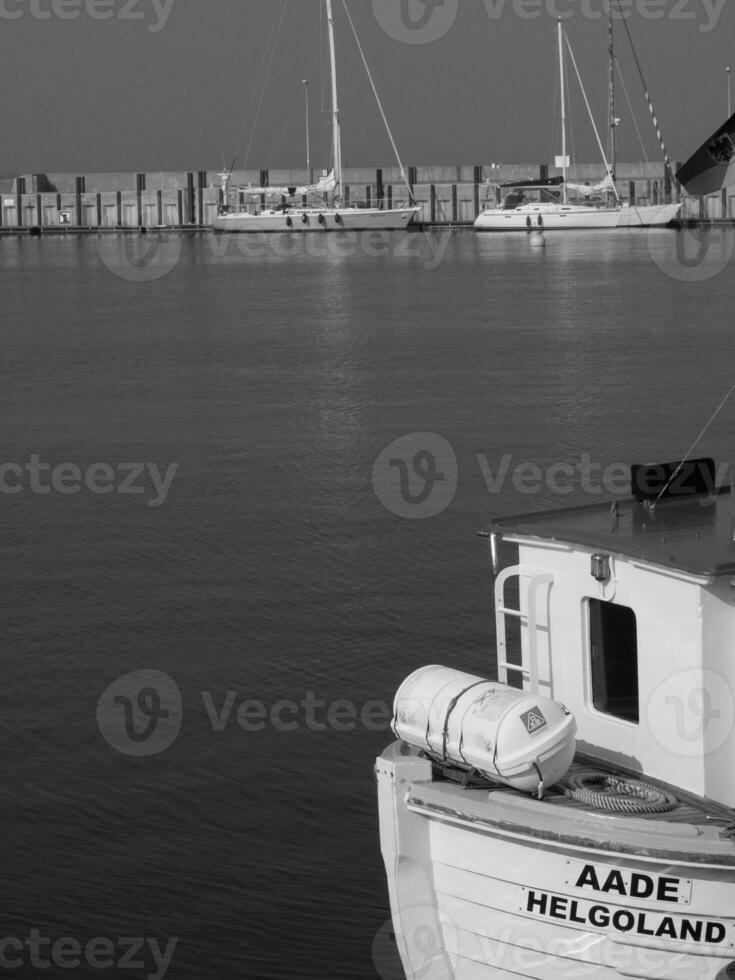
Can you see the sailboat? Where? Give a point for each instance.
(546, 204)
(332, 212)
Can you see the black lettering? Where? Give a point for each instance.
(668, 890)
(641, 927)
(588, 877)
(623, 920)
(692, 930)
(573, 917)
(599, 916)
(558, 907)
(714, 933)
(641, 886)
(614, 883)
(667, 927)
(539, 901)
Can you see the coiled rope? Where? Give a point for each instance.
(617, 793)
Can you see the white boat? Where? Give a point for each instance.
(547, 204)
(575, 818)
(325, 209)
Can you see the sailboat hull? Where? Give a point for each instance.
(558, 217)
(317, 220)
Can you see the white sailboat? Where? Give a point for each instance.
(547, 204)
(328, 210)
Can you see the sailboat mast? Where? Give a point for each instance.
(612, 148)
(563, 113)
(336, 136)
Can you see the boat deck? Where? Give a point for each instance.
(695, 831)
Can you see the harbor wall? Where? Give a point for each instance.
(180, 199)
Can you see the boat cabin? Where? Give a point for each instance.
(625, 613)
(516, 194)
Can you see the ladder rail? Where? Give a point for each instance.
(538, 578)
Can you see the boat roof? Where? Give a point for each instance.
(692, 535)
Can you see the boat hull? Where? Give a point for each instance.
(576, 217)
(302, 220)
(493, 886)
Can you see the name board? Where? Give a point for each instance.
(605, 894)
(626, 883)
(64, 217)
(597, 915)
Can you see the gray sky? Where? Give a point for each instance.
(168, 84)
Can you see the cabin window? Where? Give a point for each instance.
(614, 660)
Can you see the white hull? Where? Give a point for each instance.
(496, 886)
(557, 217)
(317, 220)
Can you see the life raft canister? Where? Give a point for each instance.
(515, 737)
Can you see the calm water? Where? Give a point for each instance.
(268, 567)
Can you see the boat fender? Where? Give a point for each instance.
(528, 221)
(304, 218)
(540, 222)
(322, 219)
(289, 222)
(338, 218)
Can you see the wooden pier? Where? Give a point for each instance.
(188, 200)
